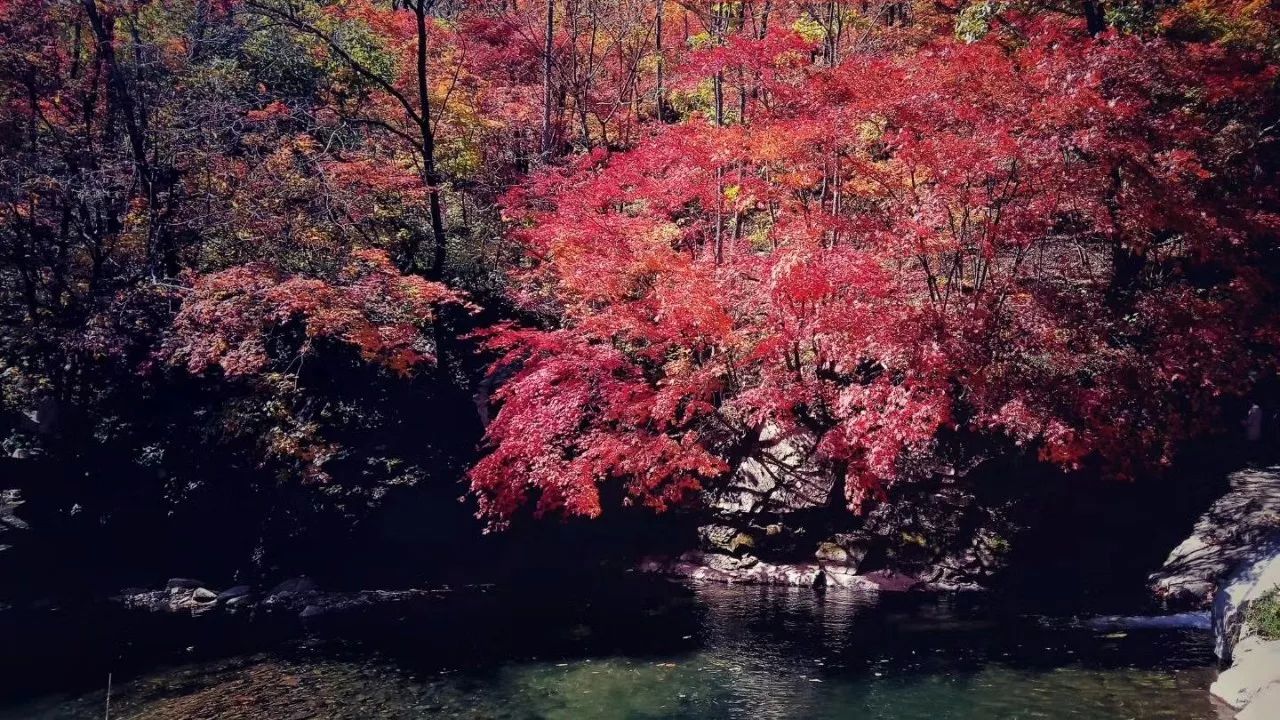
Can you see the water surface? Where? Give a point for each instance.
(655, 650)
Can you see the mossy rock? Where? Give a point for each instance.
(725, 538)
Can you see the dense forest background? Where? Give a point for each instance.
(272, 268)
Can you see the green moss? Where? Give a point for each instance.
(998, 545)
(1264, 614)
(974, 22)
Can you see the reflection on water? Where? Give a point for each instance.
(714, 652)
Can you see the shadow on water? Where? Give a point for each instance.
(636, 648)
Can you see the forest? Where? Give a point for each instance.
(636, 359)
(580, 259)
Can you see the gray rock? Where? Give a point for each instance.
(175, 600)
(203, 595)
(720, 561)
(1255, 576)
(1228, 534)
(749, 570)
(782, 475)
(846, 549)
(841, 576)
(725, 538)
(10, 501)
(829, 552)
(1264, 706)
(311, 611)
(1255, 668)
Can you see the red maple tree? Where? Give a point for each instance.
(1042, 239)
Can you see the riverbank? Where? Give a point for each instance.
(1230, 563)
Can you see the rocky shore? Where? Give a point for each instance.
(300, 596)
(1228, 564)
(750, 570)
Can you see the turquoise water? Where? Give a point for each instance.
(697, 653)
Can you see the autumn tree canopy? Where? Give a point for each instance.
(631, 236)
(922, 248)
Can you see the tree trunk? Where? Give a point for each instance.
(430, 175)
(547, 50)
(1094, 17)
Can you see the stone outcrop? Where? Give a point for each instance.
(785, 504)
(845, 550)
(782, 475)
(1232, 559)
(1259, 573)
(1230, 534)
(10, 524)
(1254, 674)
(725, 538)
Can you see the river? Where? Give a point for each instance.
(637, 649)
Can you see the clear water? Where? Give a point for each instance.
(642, 651)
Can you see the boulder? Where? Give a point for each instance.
(1231, 533)
(720, 561)
(782, 474)
(1258, 574)
(1256, 668)
(725, 538)
(829, 552)
(846, 549)
(891, 581)
(1264, 706)
(174, 600)
(795, 574)
(841, 576)
(203, 595)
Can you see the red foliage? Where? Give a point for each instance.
(1051, 245)
(228, 318)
